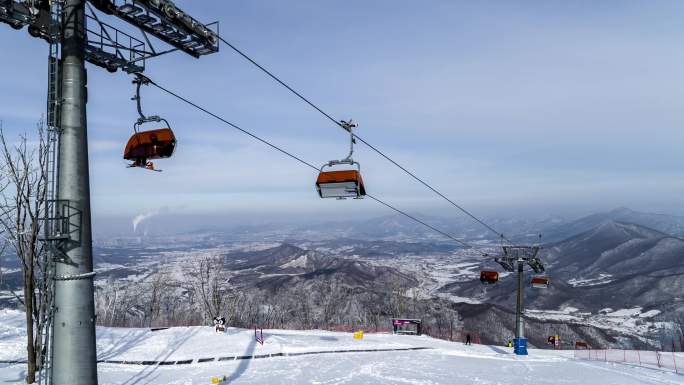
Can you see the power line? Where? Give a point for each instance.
(320, 110)
(300, 160)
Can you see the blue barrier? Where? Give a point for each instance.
(520, 346)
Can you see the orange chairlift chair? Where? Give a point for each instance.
(540, 282)
(342, 184)
(145, 146)
(489, 277)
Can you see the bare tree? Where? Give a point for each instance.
(23, 196)
(678, 332)
(209, 282)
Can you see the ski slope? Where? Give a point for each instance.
(283, 359)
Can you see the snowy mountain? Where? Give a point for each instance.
(612, 266)
(668, 224)
(615, 248)
(597, 271)
(290, 266)
(617, 265)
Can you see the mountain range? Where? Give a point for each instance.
(613, 265)
(618, 259)
(524, 230)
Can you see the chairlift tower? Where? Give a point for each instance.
(513, 260)
(76, 36)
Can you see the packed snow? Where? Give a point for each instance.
(282, 362)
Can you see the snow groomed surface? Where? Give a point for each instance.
(308, 357)
(251, 357)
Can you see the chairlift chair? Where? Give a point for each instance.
(144, 146)
(148, 145)
(540, 282)
(489, 277)
(342, 184)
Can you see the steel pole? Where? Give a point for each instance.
(519, 323)
(75, 358)
(520, 341)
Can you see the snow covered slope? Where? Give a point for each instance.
(281, 360)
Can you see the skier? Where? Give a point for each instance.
(468, 339)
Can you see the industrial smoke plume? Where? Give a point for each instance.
(146, 215)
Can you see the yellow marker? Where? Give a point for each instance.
(218, 380)
(358, 335)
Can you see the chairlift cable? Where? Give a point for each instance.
(233, 125)
(468, 213)
(269, 73)
(300, 160)
(320, 110)
(419, 221)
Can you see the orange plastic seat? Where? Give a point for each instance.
(340, 184)
(146, 145)
(489, 277)
(540, 282)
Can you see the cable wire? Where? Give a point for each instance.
(320, 110)
(468, 213)
(267, 72)
(419, 221)
(234, 125)
(300, 160)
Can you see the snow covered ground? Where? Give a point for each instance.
(634, 321)
(282, 362)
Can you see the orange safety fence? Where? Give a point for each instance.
(665, 360)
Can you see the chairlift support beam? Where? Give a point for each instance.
(15, 13)
(164, 20)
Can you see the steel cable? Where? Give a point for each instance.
(320, 110)
(300, 160)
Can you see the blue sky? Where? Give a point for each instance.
(536, 107)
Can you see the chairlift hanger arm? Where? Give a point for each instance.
(140, 80)
(349, 127)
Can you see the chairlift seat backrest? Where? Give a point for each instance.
(153, 144)
(340, 184)
(540, 282)
(489, 277)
